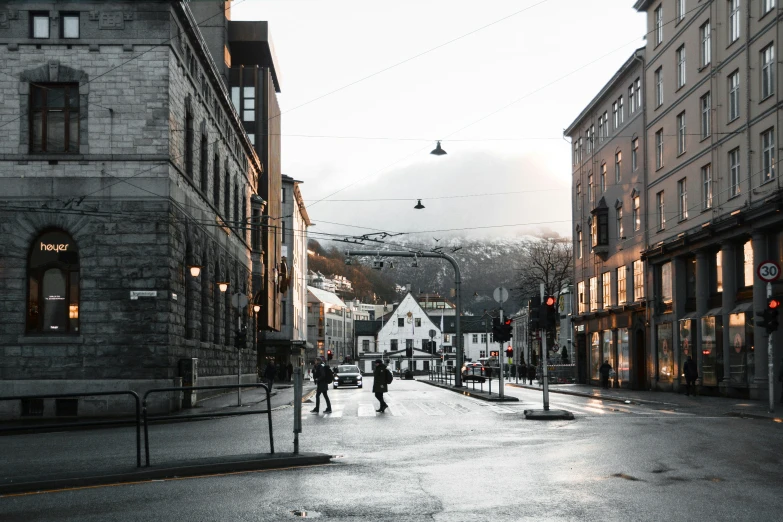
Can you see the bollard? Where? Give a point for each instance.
(297, 408)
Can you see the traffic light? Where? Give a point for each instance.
(534, 310)
(497, 333)
(506, 330)
(548, 314)
(769, 317)
(329, 355)
(409, 352)
(494, 353)
(509, 352)
(241, 338)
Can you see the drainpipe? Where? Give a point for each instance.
(747, 102)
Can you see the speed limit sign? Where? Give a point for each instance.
(768, 271)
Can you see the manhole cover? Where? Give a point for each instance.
(301, 513)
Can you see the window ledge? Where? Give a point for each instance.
(705, 138)
(682, 153)
(50, 339)
(764, 15)
(770, 180)
(681, 87)
(733, 42)
(735, 118)
(708, 209)
(767, 97)
(705, 66)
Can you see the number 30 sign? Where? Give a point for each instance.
(768, 271)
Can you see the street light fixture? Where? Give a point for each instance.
(256, 308)
(195, 270)
(223, 286)
(419, 206)
(438, 151)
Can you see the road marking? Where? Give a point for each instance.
(459, 408)
(367, 410)
(500, 409)
(398, 409)
(429, 408)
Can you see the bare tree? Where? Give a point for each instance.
(548, 261)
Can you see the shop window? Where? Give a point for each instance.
(623, 359)
(711, 350)
(666, 282)
(686, 345)
(741, 352)
(595, 355)
(54, 118)
(747, 263)
(53, 285)
(606, 354)
(665, 354)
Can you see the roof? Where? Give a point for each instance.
(627, 66)
(468, 324)
(366, 327)
(642, 5)
(325, 297)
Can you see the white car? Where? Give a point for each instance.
(347, 375)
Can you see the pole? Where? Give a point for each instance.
(297, 408)
(544, 362)
(770, 362)
(501, 391)
(239, 376)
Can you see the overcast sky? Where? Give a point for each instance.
(324, 45)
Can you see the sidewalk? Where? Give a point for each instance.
(65, 458)
(667, 400)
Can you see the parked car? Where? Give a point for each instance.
(347, 375)
(472, 368)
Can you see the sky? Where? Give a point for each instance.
(503, 81)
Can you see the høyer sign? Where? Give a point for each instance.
(49, 247)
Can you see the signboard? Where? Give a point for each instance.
(500, 294)
(135, 294)
(768, 271)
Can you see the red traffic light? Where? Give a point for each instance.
(773, 303)
(507, 322)
(550, 300)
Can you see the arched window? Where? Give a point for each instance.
(53, 284)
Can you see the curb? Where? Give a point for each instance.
(745, 415)
(591, 396)
(549, 415)
(470, 393)
(285, 460)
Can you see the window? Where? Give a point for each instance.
(227, 194)
(747, 263)
(590, 193)
(54, 118)
(600, 128)
(579, 244)
(631, 99)
(418, 322)
(659, 87)
(483, 338)
(39, 24)
(615, 115)
(53, 284)
(719, 271)
(680, 9)
(621, 289)
(620, 234)
(767, 71)
(681, 133)
(666, 282)
(216, 181)
(203, 163)
(682, 191)
(282, 313)
(606, 283)
(634, 154)
(249, 103)
(394, 345)
(578, 197)
(593, 231)
(589, 139)
(659, 149)
(236, 210)
(69, 27)
(400, 322)
(580, 289)
(681, 66)
(706, 111)
(638, 93)
(365, 345)
(767, 6)
(734, 20)
(618, 161)
(282, 195)
(767, 155)
(620, 109)
(475, 338)
(606, 125)
(637, 215)
(593, 294)
(658, 25)
(661, 205)
(706, 184)
(189, 143)
(734, 100)
(734, 172)
(581, 149)
(706, 51)
(603, 178)
(576, 153)
(638, 280)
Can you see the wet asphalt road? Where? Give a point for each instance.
(437, 455)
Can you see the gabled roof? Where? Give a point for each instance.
(325, 297)
(365, 328)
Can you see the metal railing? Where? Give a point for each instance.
(49, 425)
(148, 418)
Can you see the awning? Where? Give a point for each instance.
(714, 311)
(742, 308)
(692, 315)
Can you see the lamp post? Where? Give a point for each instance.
(457, 293)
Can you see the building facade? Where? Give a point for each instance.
(713, 193)
(124, 204)
(609, 227)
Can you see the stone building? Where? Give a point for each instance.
(713, 193)
(609, 227)
(128, 180)
(290, 344)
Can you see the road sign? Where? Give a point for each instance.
(239, 300)
(768, 271)
(500, 294)
(433, 333)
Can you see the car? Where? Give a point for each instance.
(472, 368)
(347, 375)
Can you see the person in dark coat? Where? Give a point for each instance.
(531, 373)
(289, 371)
(269, 374)
(564, 355)
(522, 371)
(691, 371)
(322, 386)
(604, 370)
(379, 385)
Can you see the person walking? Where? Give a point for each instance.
(289, 371)
(522, 370)
(269, 374)
(531, 373)
(691, 371)
(380, 384)
(604, 370)
(321, 374)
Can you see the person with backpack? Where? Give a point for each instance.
(269, 374)
(380, 384)
(323, 378)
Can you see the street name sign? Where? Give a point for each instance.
(135, 294)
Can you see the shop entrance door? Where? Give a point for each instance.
(581, 358)
(640, 362)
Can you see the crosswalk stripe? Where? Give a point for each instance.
(459, 408)
(500, 409)
(398, 409)
(429, 408)
(366, 410)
